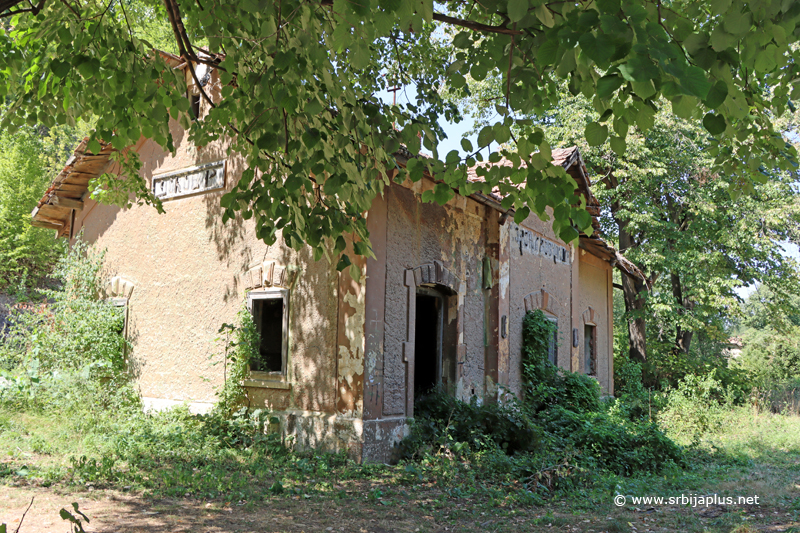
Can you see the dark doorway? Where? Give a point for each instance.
(427, 343)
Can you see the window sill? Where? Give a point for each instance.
(266, 382)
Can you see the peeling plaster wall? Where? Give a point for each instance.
(595, 287)
(420, 233)
(187, 270)
(529, 273)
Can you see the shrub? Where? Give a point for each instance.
(441, 421)
(605, 443)
(68, 353)
(695, 407)
(558, 422)
(545, 384)
(240, 347)
(778, 397)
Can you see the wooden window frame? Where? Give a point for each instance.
(273, 294)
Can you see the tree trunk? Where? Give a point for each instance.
(632, 289)
(683, 338)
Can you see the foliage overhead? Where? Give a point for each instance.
(299, 79)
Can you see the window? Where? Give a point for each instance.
(269, 309)
(589, 351)
(122, 304)
(194, 102)
(552, 348)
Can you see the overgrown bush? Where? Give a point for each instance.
(442, 422)
(778, 397)
(769, 356)
(68, 352)
(696, 406)
(633, 401)
(558, 424)
(546, 385)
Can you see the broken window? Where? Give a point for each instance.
(552, 347)
(589, 350)
(270, 315)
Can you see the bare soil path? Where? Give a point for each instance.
(120, 512)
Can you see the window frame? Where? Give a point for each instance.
(552, 345)
(592, 356)
(273, 294)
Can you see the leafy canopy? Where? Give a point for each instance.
(298, 82)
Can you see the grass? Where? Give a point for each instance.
(173, 455)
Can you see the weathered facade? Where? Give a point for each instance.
(442, 302)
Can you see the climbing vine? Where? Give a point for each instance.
(240, 345)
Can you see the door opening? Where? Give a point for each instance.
(427, 343)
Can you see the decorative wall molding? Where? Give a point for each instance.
(588, 316)
(267, 274)
(119, 287)
(437, 274)
(188, 181)
(543, 300)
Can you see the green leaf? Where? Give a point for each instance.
(442, 193)
(359, 56)
(548, 52)
(736, 22)
(645, 118)
(343, 263)
(517, 9)
(715, 124)
(485, 136)
(607, 85)
(502, 133)
(94, 146)
(684, 106)
(618, 145)
(644, 89)
(466, 144)
(462, 40)
(544, 14)
(639, 68)
(695, 82)
(596, 134)
(608, 6)
(717, 95)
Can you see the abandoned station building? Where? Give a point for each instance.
(442, 302)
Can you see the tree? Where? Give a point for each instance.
(298, 80)
(673, 217)
(770, 330)
(28, 160)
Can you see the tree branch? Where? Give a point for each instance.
(477, 26)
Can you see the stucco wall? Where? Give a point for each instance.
(187, 268)
(530, 272)
(595, 279)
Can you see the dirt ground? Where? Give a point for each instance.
(120, 512)
(112, 511)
